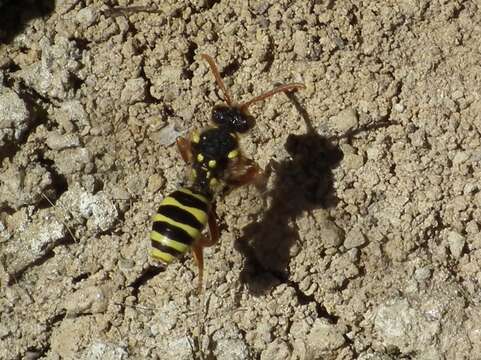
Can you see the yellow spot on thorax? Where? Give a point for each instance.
(195, 137)
(233, 154)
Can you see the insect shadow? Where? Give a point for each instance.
(16, 14)
(303, 182)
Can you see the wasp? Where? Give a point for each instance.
(215, 160)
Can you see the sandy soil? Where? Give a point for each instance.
(366, 243)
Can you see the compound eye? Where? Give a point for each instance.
(220, 116)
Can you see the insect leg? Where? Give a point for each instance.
(199, 245)
(197, 251)
(218, 79)
(245, 171)
(213, 229)
(185, 149)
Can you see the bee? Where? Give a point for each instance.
(215, 160)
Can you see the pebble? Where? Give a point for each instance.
(332, 235)
(456, 243)
(56, 141)
(99, 209)
(394, 320)
(14, 116)
(155, 182)
(353, 161)
(460, 157)
(134, 91)
(457, 94)
(373, 153)
(346, 120)
(324, 337)
(354, 238)
(300, 41)
(71, 114)
(470, 188)
(91, 299)
(70, 161)
(277, 349)
(86, 16)
(168, 134)
(422, 274)
(104, 350)
(399, 107)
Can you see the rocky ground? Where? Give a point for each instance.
(366, 242)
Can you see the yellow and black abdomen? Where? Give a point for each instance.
(178, 223)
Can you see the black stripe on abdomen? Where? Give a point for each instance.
(180, 215)
(189, 200)
(172, 232)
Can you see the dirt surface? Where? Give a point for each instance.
(366, 242)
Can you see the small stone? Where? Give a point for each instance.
(399, 107)
(422, 274)
(456, 243)
(470, 188)
(332, 235)
(394, 320)
(324, 338)
(4, 331)
(373, 153)
(71, 115)
(346, 120)
(418, 138)
(14, 116)
(56, 141)
(70, 161)
(167, 135)
(457, 94)
(472, 228)
(99, 209)
(155, 182)
(477, 199)
(460, 157)
(100, 350)
(86, 16)
(134, 91)
(44, 236)
(475, 242)
(229, 349)
(33, 239)
(353, 161)
(20, 186)
(90, 299)
(300, 42)
(353, 255)
(354, 238)
(277, 349)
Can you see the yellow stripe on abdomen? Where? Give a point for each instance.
(161, 256)
(199, 214)
(171, 243)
